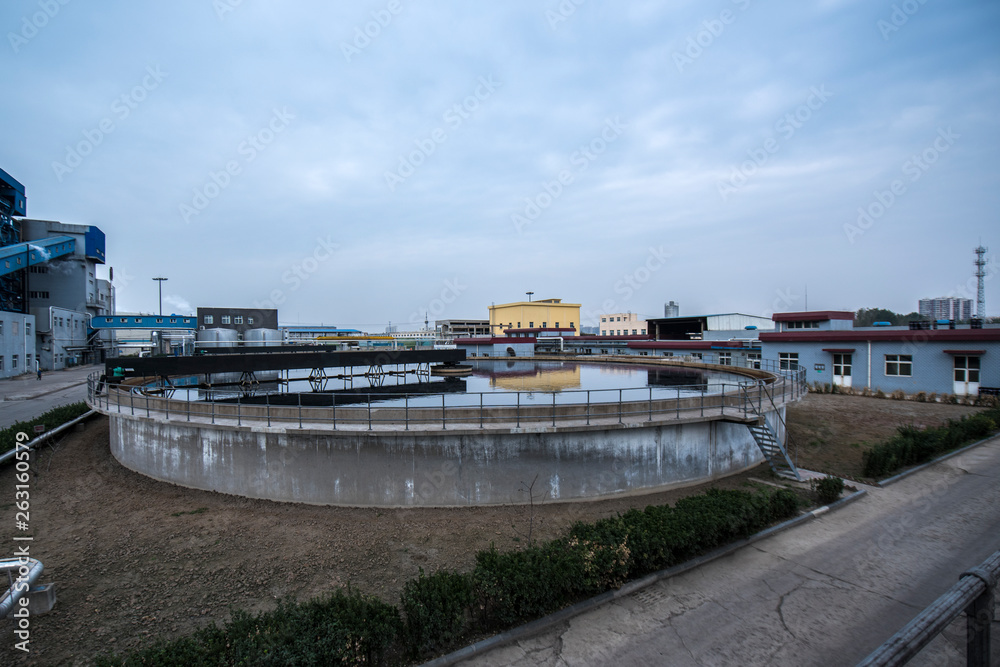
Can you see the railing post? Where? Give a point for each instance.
(369, 412)
(406, 412)
(650, 404)
(166, 406)
(213, 411)
(131, 402)
(333, 404)
(444, 415)
(189, 405)
(300, 409)
(147, 405)
(480, 409)
(722, 400)
(553, 409)
(267, 407)
(619, 406)
(588, 407)
(518, 411)
(677, 403)
(702, 402)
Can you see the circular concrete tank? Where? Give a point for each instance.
(407, 457)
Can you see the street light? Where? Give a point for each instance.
(160, 281)
(529, 295)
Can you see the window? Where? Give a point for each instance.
(557, 325)
(249, 320)
(842, 364)
(159, 320)
(14, 329)
(38, 294)
(643, 331)
(238, 319)
(1, 363)
(633, 332)
(518, 325)
(604, 319)
(531, 325)
(802, 325)
(209, 319)
(899, 365)
(619, 319)
(27, 328)
(966, 369)
(1, 328)
(788, 361)
(225, 319)
(545, 325)
(13, 362)
(571, 326)
(726, 358)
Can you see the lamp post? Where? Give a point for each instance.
(159, 339)
(529, 295)
(160, 281)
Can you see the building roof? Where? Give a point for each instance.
(881, 335)
(536, 302)
(813, 316)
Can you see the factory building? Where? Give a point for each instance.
(912, 359)
(49, 289)
(528, 316)
(239, 320)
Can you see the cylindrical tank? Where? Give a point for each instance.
(212, 338)
(262, 338)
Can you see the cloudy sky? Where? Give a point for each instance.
(365, 162)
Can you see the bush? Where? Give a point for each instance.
(829, 489)
(435, 609)
(340, 628)
(912, 446)
(51, 419)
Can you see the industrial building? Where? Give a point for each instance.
(535, 315)
(622, 324)
(956, 360)
(49, 289)
(240, 320)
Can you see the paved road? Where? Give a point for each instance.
(826, 593)
(26, 397)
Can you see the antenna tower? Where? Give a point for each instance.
(980, 277)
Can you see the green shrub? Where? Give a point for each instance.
(829, 489)
(51, 419)
(435, 608)
(342, 628)
(912, 446)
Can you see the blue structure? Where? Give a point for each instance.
(151, 322)
(959, 360)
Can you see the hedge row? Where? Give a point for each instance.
(51, 419)
(912, 446)
(444, 609)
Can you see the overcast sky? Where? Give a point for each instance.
(368, 162)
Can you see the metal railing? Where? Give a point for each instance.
(742, 401)
(973, 594)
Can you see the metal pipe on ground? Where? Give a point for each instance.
(20, 585)
(31, 444)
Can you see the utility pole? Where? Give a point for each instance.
(160, 281)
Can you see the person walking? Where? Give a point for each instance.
(38, 368)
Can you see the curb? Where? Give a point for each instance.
(944, 457)
(28, 397)
(540, 625)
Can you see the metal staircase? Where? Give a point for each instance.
(765, 437)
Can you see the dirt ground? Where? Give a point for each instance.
(135, 559)
(829, 431)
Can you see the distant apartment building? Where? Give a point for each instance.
(946, 308)
(622, 324)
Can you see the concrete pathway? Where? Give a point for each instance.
(826, 593)
(25, 396)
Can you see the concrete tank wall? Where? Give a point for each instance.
(443, 468)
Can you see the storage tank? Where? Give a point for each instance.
(212, 338)
(262, 338)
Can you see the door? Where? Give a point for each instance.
(966, 376)
(842, 370)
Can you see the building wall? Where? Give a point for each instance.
(932, 367)
(951, 308)
(531, 314)
(622, 324)
(17, 344)
(60, 335)
(238, 319)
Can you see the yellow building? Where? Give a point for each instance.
(541, 314)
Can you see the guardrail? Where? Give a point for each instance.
(480, 410)
(973, 594)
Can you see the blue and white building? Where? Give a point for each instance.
(933, 357)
